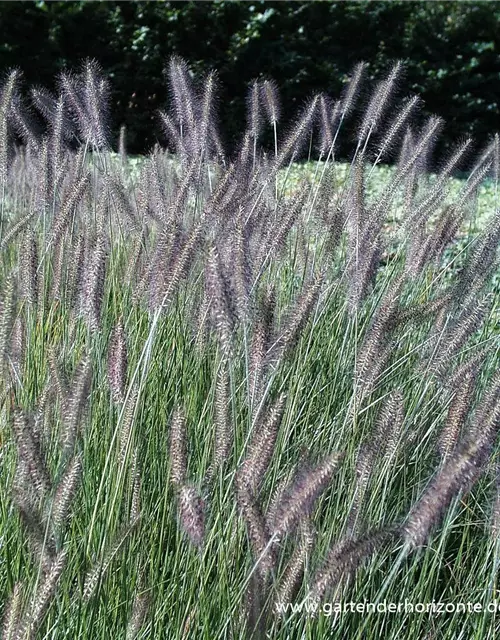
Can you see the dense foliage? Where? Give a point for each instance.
(450, 49)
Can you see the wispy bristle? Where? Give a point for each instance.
(16, 228)
(221, 299)
(260, 540)
(207, 123)
(191, 514)
(129, 413)
(293, 143)
(352, 89)
(325, 127)
(457, 475)
(41, 546)
(183, 94)
(378, 103)
(178, 448)
(43, 596)
(292, 576)
(122, 145)
(29, 268)
(303, 493)
(270, 100)
(75, 404)
(262, 333)
(261, 447)
(65, 492)
(396, 127)
(253, 110)
(296, 318)
(6, 95)
(135, 482)
(142, 602)
(382, 445)
(68, 207)
(30, 453)
(495, 511)
(93, 286)
(457, 413)
(117, 362)
(7, 314)
(12, 613)
(344, 559)
(223, 422)
(96, 574)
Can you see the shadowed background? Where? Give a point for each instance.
(450, 50)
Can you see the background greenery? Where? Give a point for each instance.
(451, 51)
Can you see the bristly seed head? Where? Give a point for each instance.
(117, 362)
(191, 514)
(178, 448)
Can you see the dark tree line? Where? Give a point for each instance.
(451, 51)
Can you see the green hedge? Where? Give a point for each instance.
(451, 50)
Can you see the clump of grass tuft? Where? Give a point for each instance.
(183, 335)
